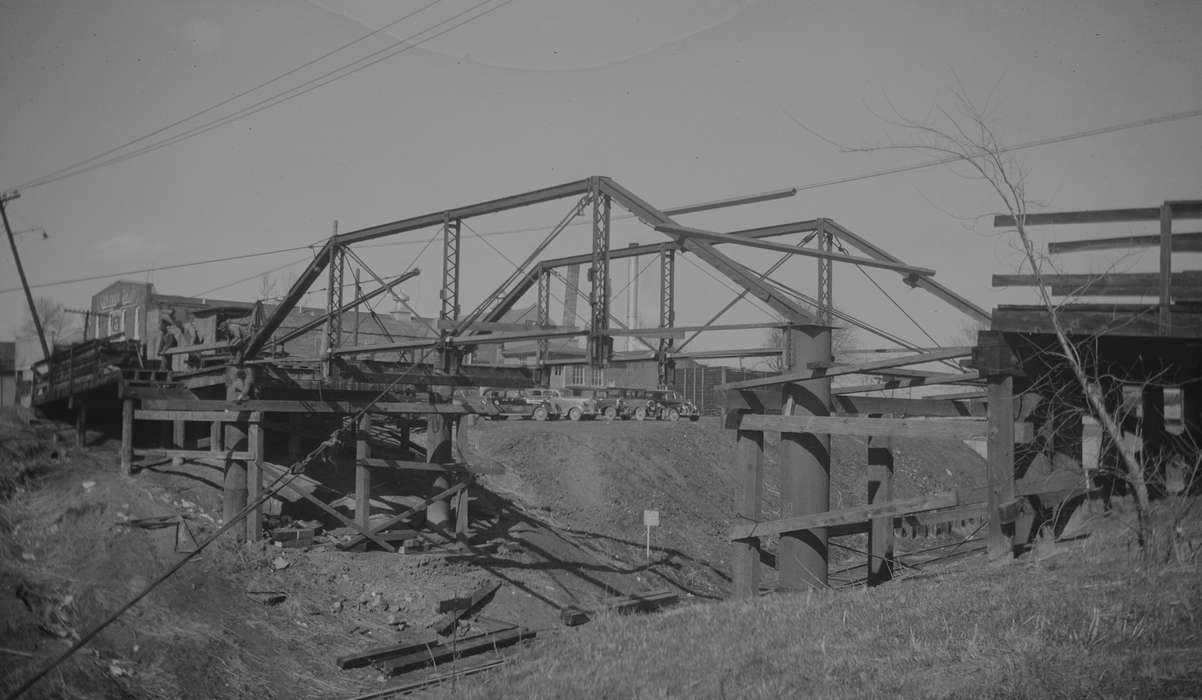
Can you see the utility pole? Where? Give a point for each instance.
(12, 241)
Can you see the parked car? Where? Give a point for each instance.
(576, 402)
(510, 402)
(610, 402)
(545, 402)
(635, 404)
(669, 405)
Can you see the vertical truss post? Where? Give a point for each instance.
(667, 311)
(826, 243)
(334, 303)
(544, 314)
(450, 270)
(600, 344)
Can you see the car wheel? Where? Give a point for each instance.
(673, 415)
(574, 414)
(611, 413)
(640, 413)
(540, 413)
(695, 417)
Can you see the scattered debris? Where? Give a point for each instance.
(461, 607)
(293, 536)
(268, 598)
(17, 652)
(280, 563)
(400, 658)
(644, 602)
(88, 486)
(412, 686)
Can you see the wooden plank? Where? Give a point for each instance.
(363, 472)
(902, 408)
(950, 428)
(1181, 243)
(460, 648)
(254, 480)
(206, 416)
(999, 463)
(188, 349)
(382, 463)
(363, 532)
(1167, 278)
(846, 516)
(840, 370)
(1132, 320)
(1186, 285)
(188, 454)
(127, 436)
(304, 406)
(958, 378)
(880, 492)
(483, 593)
(406, 514)
(1183, 210)
(366, 657)
(296, 488)
(622, 605)
(746, 563)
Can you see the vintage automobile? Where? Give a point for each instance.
(635, 403)
(544, 401)
(510, 402)
(576, 402)
(669, 405)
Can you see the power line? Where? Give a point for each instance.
(279, 98)
(1176, 116)
(239, 95)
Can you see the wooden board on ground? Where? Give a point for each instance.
(440, 653)
(480, 596)
(643, 602)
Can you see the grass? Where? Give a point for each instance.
(1086, 618)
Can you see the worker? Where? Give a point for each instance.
(167, 341)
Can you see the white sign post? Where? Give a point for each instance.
(650, 520)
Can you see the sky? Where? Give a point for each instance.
(679, 100)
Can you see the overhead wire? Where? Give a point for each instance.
(306, 87)
(237, 96)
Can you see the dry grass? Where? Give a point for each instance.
(1084, 618)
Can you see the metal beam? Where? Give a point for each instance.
(600, 344)
(732, 202)
(840, 370)
(653, 248)
(450, 269)
(944, 293)
(306, 279)
(301, 330)
(334, 298)
(688, 232)
(667, 313)
(492, 339)
(736, 272)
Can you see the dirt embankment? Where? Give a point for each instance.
(594, 480)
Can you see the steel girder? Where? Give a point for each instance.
(334, 300)
(450, 270)
(826, 243)
(600, 344)
(544, 313)
(667, 311)
(301, 330)
(736, 272)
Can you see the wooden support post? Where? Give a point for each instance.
(1153, 433)
(462, 517)
(363, 472)
(254, 478)
(234, 486)
(127, 436)
(215, 437)
(999, 467)
(880, 490)
(438, 451)
(746, 558)
(177, 440)
(805, 464)
(1191, 411)
(81, 424)
(294, 438)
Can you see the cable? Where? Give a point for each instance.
(240, 95)
(1176, 116)
(285, 96)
